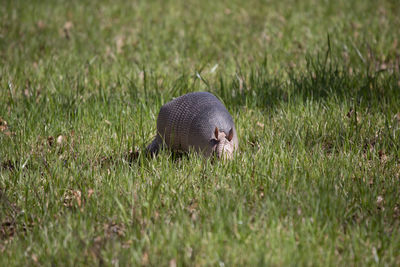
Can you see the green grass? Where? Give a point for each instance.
(314, 89)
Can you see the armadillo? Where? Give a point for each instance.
(196, 121)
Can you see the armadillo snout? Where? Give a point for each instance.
(225, 150)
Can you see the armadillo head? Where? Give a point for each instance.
(224, 146)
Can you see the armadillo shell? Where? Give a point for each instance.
(190, 121)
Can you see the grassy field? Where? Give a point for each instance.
(314, 89)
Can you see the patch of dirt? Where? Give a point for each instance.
(72, 198)
(113, 229)
(4, 128)
(132, 155)
(7, 229)
(192, 209)
(3, 125)
(7, 165)
(8, 224)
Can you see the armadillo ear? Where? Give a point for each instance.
(216, 133)
(230, 135)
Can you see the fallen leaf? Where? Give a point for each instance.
(67, 29)
(160, 82)
(141, 75)
(394, 45)
(98, 240)
(397, 117)
(351, 111)
(189, 252)
(172, 263)
(240, 84)
(379, 202)
(8, 133)
(50, 140)
(396, 211)
(127, 244)
(382, 156)
(383, 66)
(40, 24)
(77, 195)
(90, 193)
(27, 93)
(371, 182)
(192, 209)
(260, 124)
(68, 25)
(113, 228)
(34, 257)
(299, 211)
(145, 258)
(60, 139)
(3, 125)
(70, 196)
(119, 42)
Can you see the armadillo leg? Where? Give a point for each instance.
(155, 146)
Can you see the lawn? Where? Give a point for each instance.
(313, 87)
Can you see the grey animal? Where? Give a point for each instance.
(196, 121)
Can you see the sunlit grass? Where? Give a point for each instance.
(313, 88)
